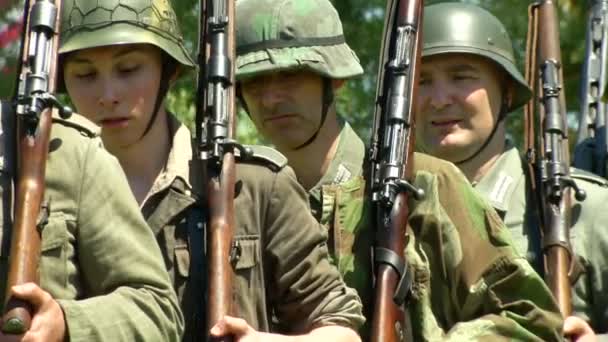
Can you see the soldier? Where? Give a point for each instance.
(468, 85)
(291, 58)
(118, 67)
(94, 235)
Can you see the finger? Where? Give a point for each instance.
(10, 338)
(31, 293)
(575, 326)
(230, 326)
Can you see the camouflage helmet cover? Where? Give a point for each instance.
(275, 35)
(93, 23)
(463, 28)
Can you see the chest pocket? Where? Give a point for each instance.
(182, 266)
(248, 283)
(248, 255)
(53, 258)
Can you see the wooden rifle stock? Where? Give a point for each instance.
(547, 147)
(391, 157)
(34, 105)
(220, 232)
(214, 152)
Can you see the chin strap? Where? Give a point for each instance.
(501, 117)
(168, 69)
(328, 99)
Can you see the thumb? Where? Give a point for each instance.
(230, 326)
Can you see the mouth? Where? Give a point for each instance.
(279, 118)
(445, 122)
(114, 122)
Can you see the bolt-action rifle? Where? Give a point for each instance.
(31, 114)
(593, 113)
(391, 166)
(213, 160)
(547, 148)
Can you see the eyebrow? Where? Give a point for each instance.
(461, 68)
(120, 53)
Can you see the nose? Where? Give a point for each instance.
(439, 94)
(109, 93)
(271, 94)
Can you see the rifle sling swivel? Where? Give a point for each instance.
(404, 287)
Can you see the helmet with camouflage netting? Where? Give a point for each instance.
(278, 35)
(93, 23)
(453, 27)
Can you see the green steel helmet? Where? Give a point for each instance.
(276, 35)
(452, 27)
(93, 23)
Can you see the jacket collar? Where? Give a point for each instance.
(346, 164)
(500, 183)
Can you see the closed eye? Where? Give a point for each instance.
(463, 77)
(129, 70)
(85, 75)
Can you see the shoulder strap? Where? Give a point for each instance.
(265, 155)
(588, 176)
(80, 123)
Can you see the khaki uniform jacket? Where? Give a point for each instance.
(506, 187)
(99, 259)
(283, 269)
(470, 284)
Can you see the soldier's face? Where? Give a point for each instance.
(285, 106)
(115, 87)
(458, 104)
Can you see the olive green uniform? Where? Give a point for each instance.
(346, 165)
(283, 266)
(98, 259)
(508, 191)
(469, 282)
(505, 184)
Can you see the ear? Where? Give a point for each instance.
(508, 90)
(175, 75)
(337, 83)
(509, 94)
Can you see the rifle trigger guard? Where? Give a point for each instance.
(404, 287)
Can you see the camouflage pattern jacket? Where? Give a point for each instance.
(98, 259)
(506, 188)
(470, 283)
(278, 240)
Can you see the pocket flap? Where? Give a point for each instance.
(182, 260)
(248, 251)
(54, 233)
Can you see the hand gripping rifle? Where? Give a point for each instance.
(33, 105)
(593, 114)
(213, 160)
(391, 167)
(547, 148)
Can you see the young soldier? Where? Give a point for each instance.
(291, 58)
(118, 66)
(101, 276)
(468, 85)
